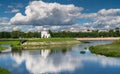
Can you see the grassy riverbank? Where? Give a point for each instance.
(4, 71)
(46, 43)
(38, 42)
(15, 43)
(2, 48)
(111, 50)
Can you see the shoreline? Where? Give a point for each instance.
(105, 38)
(109, 50)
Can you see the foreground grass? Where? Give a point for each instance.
(4, 71)
(110, 50)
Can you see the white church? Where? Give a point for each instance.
(45, 33)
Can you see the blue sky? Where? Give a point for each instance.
(88, 5)
(89, 11)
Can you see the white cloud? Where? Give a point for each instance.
(62, 17)
(6, 27)
(109, 11)
(4, 20)
(103, 18)
(13, 11)
(16, 28)
(41, 13)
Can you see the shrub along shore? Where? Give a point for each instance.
(110, 50)
(2, 48)
(4, 71)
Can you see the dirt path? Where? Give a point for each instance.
(106, 38)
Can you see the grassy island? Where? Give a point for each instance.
(4, 71)
(33, 43)
(49, 43)
(110, 50)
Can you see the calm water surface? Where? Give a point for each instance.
(60, 61)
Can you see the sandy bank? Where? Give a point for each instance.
(50, 43)
(105, 38)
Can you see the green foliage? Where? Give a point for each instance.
(4, 71)
(82, 52)
(13, 43)
(112, 50)
(61, 34)
(19, 34)
(2, 48)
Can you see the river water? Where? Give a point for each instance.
(60, 61)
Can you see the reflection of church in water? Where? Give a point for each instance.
(45, 53)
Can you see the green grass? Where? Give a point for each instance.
(2, 48)
(4, 71)
(110, 50)
(13, 43)
(17, 43)
(50, 39)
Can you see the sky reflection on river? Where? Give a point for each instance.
(59, 62)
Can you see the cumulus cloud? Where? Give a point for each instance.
(103, 18)
(63, 17)
(41, 13)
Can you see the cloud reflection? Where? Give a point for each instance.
(41, 62)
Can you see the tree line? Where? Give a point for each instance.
(96, 33)
(111, 33)
(20, 34)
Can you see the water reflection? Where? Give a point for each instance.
(55, 63)
(61, 61)
(42, 63)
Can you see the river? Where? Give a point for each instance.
(60, 61)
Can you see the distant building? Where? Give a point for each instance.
(45, 34)
(102, 30)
